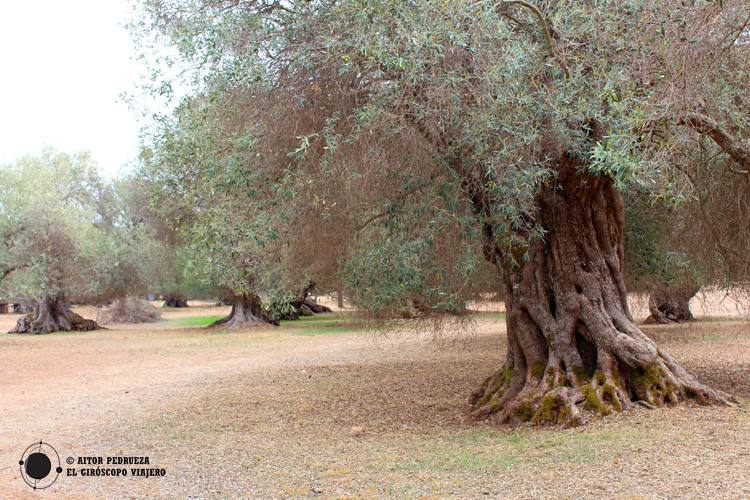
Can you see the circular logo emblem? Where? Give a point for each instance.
(37, 465)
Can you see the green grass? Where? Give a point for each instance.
(322, 318)
(483, 451)
(192, 321)
(325, 324)
(31, 336)
(720, 319)
(330, 327)
(490, 316)
(320, 324)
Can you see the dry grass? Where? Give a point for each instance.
(312, 410)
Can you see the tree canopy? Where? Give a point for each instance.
(430, 133)
(69, 234)
(47, 224)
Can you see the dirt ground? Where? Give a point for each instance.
(325, 409)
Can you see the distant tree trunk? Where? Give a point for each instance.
(52, 314)
(175, 300)
(340, 299)
(302, 305)
(573, 346)
(3, 307)
(24, 307)
(671, 304)
(314, 307)
(246, 312)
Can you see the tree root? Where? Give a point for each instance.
(239, 321)
(59, 321)
(556, 396)
(246, 313)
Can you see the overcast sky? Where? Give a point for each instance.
(64, 65)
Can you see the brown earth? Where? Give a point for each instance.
(323, 409)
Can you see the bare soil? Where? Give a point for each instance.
(324, 409)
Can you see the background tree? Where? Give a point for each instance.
(697, 235)
(715, 234)
(50, 242)
(132, 255)
(234, 244)
(535, 115)
(656, 264)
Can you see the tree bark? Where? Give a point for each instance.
(573, 346)
(52, 314)
(24, 307)
(671, 304)
(246, 312)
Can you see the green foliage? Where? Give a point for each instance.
(371, 129)
(393, 271)
(228, 218)
(66, 231)
(132, 255)
(47, 214)
(653, 253)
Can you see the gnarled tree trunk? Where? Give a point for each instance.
(573, 346)
(52, 314)
(671, 304)
(246, 312)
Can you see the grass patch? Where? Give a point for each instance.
(483, 451)
(57, 334)
(714, 338)
(721, 319)
(322, 318)
(324, 324)
(330, 327)
(489, 316)
(192, 321)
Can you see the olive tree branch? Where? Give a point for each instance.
(545, 29)
(706, 125)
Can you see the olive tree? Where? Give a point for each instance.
(516, 123)
(134, 259)
(656, 262)
(230, 241)
(49, 239)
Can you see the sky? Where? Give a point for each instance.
(64, 65)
